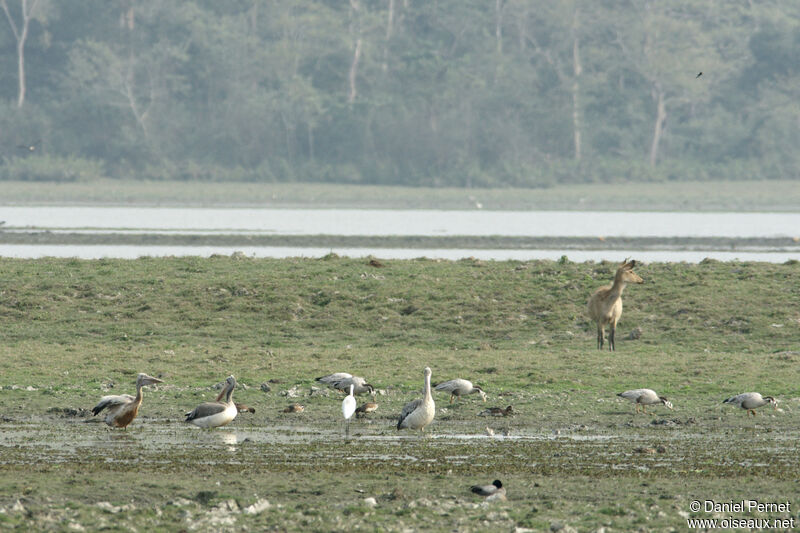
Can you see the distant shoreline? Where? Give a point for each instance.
(772, 244)
(737, 196)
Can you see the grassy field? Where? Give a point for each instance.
(674, 196)
(575, 455)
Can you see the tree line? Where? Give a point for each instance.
(475, 93)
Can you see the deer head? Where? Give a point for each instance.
(625, 272)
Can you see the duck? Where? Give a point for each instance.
(495, 491)
(123, 408)
(294, 408)
(496, 411)
(751, 401)
(644, 397)
(459, 387)
(217, 413)
(342, 380)
(367, 407)
(419, 413)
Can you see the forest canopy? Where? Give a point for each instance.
(475, 93)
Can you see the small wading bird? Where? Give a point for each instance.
(459, 387)
(698, 75)
(751, 401)
(364, 408)
(644, 397)
(493, 492)
(496, 411)
(123, 408)
(215, 414)
(419, 413)
(342, 380)
(605, 305)
(348, 408)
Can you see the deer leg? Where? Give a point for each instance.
(611, 345)
(600, 334)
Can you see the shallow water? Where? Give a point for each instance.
(406, 222)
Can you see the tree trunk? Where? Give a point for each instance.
(389, 30)
(21, 36)
(577, 69)
(353, 74)
(661, 117)
(498, 25)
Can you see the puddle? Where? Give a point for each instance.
(177, 445)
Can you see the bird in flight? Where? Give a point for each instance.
(698, 75)
(31, 147)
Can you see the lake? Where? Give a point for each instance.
(366, 222)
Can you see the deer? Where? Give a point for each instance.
(605, 304)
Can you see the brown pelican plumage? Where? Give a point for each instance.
(419, 413)
(751, 401)
(215, 414)
(493, 492)
(459, 387)
(123, 408)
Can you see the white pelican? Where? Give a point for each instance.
(459, 387)
(240, 407)
(215, 414)
(123, 408)
(419, 413)
(493, 492)
(644, 397)
(348, 408)
(496, 411)
(367, 407)
(342, 381)
(751, 400)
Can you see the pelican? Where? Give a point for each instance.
(496, 411)
(644, 397)
(348, 408)
(493, 492)
(240, 407)
(342, 381)
(459, 387)
(751, 400)
(419, 413)
(217, 413)
(123, 408)
(367, 407)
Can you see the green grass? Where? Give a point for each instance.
(675, 196)
(710, 330)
